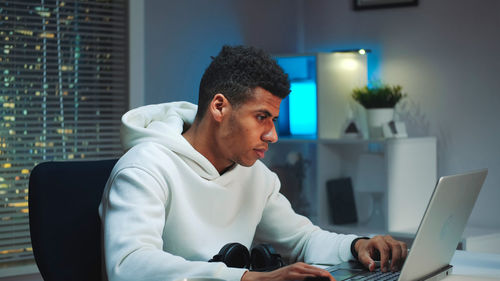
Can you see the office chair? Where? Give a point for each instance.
(64, 222)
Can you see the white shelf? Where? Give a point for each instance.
(403, 171)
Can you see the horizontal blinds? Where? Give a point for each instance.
(63, 88)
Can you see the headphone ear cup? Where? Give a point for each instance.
(233, 255)
(264, 258)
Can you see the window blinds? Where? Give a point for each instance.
(63, 88)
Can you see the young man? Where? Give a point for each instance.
(190, 182)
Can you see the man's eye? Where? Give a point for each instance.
(261, 117)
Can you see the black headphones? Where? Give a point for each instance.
(263, 257)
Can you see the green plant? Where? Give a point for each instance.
(378, 96)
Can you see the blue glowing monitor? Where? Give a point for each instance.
(303, 108)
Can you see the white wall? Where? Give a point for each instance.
(445, 54)
(182, 35)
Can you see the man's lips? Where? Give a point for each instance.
(260, 152)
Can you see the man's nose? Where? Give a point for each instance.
(271, 136)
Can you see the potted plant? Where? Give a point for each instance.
(379, 101)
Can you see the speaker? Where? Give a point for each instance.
(341, 201)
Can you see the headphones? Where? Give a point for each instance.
(263, 257)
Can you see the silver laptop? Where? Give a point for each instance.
(437, 237)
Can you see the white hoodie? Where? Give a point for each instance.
(166, 210)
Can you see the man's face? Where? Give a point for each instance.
(249, 128)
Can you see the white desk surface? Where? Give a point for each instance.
(475, 266)
(472, 266)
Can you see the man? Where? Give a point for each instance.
(190, 182)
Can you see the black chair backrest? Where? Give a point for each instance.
(63, 215)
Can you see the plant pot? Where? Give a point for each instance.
(376, 118)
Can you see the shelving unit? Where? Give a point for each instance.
(398, 175)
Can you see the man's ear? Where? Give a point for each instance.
(218, 107)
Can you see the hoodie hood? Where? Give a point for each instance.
(163, 124)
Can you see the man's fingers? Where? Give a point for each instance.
(399, 251)
(389, 251)
(396, 252)
(296, 271)
(367, 260)
(404, 254)
(302, 270)
(402, 257)
(384, 256)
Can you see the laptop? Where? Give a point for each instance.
(437, 236)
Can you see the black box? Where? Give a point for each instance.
(341, 201)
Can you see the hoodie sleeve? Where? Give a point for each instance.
(133, 217)
(296, 237)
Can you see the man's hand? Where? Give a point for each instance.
(296, 271)
(383, 248)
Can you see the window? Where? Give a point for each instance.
(63, 88)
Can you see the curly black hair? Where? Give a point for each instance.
(236, 71)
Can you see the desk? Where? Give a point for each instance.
(474, 266)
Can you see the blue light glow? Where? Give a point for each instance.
(303, 108)
(298, 113)
(297, 68)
